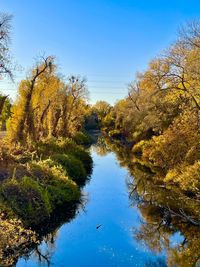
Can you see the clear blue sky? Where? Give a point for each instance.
(107, 40)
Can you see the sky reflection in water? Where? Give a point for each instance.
(79, 243)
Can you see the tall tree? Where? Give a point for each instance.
(5, 26)
(23, 123)
(74, 95)
(5, 62)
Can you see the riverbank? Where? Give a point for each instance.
(36, 184)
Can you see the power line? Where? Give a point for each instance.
(92, 92)
(108, 75)
(112, 93)
(106, 87)
(105, 81)
(90, 88)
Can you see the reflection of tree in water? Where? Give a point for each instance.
(156, 263)
(46, 247)
(161, 222)
(165, 212)
(100, 147)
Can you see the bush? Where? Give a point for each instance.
(82, 138)
(35, 197)
(61, 189)
(14, 238)
(85, 158)
(40, 187)
(47, 171)
(115, 134)
(56, 146)
(66, 146)
(27, 199)
(73, 166)
(187, 177)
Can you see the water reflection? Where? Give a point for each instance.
(170, 219)
(142, 222)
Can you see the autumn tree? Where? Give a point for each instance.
(22, 123)
(5, 113)
(75, 94)
(161, 113)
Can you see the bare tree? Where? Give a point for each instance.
(134, 93)
(189, 34)
(5, 27)
(5, 65)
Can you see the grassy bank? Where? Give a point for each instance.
(35, 185)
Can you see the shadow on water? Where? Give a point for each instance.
(142, 223)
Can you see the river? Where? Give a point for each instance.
(103, 231)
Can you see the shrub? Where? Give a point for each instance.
(139, 147)
(85, 158)
(27, 199)
(52, 146)
(82, 138)
(73, 166)
(187, 177)
(51, 175)
(47, 171)
(14, 238)
(115, 134)
(66, 146)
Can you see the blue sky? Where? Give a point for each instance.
(107, 41)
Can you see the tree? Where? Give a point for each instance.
(5, 26)
(5, 63)
(161, 114)
(74, 96)
(22, 122)
(6, 112)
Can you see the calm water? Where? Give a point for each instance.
(80, 243)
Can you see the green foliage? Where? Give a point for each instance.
(61, 189)
(66, 146)
(35, 198)
(60, 145)
(73, 167)
(5, 113)
(84, 157)
(82, 138)
(27, 199)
